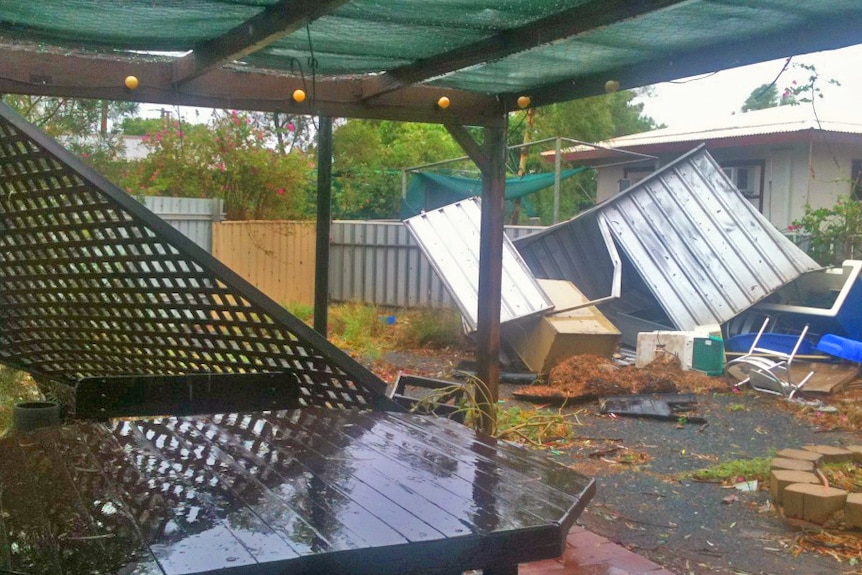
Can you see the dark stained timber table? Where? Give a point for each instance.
(310, 490)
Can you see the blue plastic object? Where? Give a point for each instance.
(780, 342)
(849, 316)
(845, 348)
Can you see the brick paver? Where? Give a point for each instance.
(590, 554)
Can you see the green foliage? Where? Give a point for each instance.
(808, 91)
(747, 469)
(762, 97)
(357, 328)
(368, 158)
(302, 311)
(428, 328)
(834, 234)
(70, 116)
(14, 388)
(535, 427)
(141, 126)
(231, 159)
(589, 120)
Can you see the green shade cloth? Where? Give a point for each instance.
(429, 191)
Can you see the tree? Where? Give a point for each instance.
(88, 128)
(71, 117)
(762, 97)
(590, 120)
(231, 159)
(369, 156)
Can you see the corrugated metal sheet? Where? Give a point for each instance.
(380, 263)
(696, 244)
(192, 216)
(449, 237)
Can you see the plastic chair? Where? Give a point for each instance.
(768, 370)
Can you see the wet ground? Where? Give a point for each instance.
(647, 502)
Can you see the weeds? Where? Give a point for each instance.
(731, 471)
(536, 427)
(14, 387)
(361, 328)
(429, 328)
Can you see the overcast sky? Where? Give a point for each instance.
(689, 101)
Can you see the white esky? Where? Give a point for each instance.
(691, 101)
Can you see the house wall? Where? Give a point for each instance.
(793, 175)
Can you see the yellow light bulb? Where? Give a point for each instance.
(131, 82)
(443, 102)
(299, 95)
(524, 101)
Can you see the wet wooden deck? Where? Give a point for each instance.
(310, 490)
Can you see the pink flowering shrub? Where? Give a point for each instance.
(232, 159)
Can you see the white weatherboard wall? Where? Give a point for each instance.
(449, 237)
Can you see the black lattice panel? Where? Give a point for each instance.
(95, 285)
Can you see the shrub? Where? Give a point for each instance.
(834, 234)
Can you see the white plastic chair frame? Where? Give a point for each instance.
(767, 370)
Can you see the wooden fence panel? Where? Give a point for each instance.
(370, 262)
(277, 257)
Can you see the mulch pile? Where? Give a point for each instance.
(584, 377)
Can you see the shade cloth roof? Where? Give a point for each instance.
(428, 191)
(393, 59)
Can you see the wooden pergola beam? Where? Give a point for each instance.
(272, 23)
(537, 33)
(26, 70)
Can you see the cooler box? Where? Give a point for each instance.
(695, 350)
(542, 342)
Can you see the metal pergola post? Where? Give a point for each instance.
(324, 219)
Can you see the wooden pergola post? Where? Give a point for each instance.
(490, 157)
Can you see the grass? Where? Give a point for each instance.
(365, 330)
(732, 471)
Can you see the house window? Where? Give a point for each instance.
(856, 180)
(631, 176)
(747, 176)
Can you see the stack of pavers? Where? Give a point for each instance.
(802, 493)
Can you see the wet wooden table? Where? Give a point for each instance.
(299, 491)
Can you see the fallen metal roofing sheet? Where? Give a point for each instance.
(449, 237)
(699, 246)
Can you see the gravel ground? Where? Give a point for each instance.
(685, 525)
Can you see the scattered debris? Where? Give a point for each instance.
(587, 376)
(679, 407)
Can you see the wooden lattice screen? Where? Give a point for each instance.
(94, 285)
